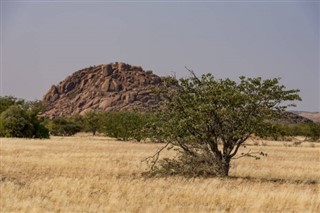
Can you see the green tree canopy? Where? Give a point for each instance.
(209, 119)
(20, 118)
(61, 126)
(91, 122)
(7, 101)
(124, 125)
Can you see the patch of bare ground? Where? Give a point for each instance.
(98, 174)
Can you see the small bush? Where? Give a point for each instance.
(185, 165)
(296, 143)
(125, 125)
(63, 127)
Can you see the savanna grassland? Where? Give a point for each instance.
(99, 174)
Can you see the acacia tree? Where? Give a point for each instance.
(91, 122)
(208, 120)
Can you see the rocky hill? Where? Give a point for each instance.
(293, 118)
(314, 116)
(107, 87)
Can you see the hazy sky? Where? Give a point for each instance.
(42, 42)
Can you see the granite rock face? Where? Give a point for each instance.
(106, 87)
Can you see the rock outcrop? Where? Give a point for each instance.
(107, 87)
(314, 116)
(293, 118)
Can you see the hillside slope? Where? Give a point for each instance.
(106, 87)
(314, 116)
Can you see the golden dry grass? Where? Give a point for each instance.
(97, 174)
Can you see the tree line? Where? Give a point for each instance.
(19, 118)
(23, 119)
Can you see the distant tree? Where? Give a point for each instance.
(34, 109)
(207, 120)
(16, 123)
(91, 122)
(7, 101)
(310, 130)
(63, 126)
(124, 125)
(313, 132)
(21, 119)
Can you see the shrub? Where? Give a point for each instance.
(91, 122)
(124, 125)
(16, 123)
(20, 119)
(63, 127)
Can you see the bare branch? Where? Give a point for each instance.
(215, 150)
(185, 148)
(155, 157)
(238, 145)
(252, 155)
(194, 75)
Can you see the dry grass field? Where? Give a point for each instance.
(97, 174)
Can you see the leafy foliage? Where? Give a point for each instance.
(310, 130)
(63, 126)
(205, 113)
(124, 125)
(16, 123)
(7, 101)
(91, 122)
(20, 119)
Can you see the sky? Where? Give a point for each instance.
(42, 42)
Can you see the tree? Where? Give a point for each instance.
(124, 125)
(91, 122)
(16, 123)
(207, 120)
(313, 131)
(20, 119)
(63, 126)
(7, 101)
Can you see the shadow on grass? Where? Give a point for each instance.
(275, 180)
(12, 180)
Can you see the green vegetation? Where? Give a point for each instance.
(63, 126)
(208, 120)
(126, 125)
(20, 119)
(7, 101)
(280, 131)
(91, 122)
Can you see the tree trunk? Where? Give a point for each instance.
(223, 167)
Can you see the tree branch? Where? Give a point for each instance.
(185, 148)
(251, 154)
(155, 157)
(241, 141)
(194, 75)
(215, 150)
